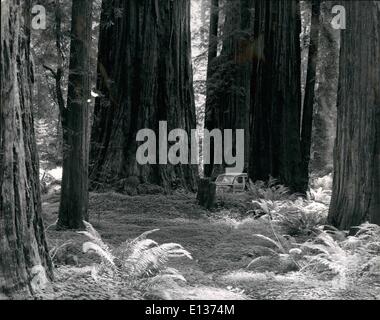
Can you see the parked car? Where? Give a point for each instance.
(231, 182)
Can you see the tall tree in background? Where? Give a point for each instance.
(212, 65)
(324, 115)
(276, 96)
(57, 74)
(356, 186)
(23, 249)
(74, 192)
(229, 75)
(213, 38)
(308, 104)
(145, 76)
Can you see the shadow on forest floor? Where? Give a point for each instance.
(222, 246)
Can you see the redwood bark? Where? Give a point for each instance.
(206, 195)
(212, 66)
(229, 75)
(22, 239)
(276, 96)
(308, 104)
(145, 76)
(356, 186)
(74, 191)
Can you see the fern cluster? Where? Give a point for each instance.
(325, 255)
(329, 253)
(299, 217)
(270, 190)
(141, 260)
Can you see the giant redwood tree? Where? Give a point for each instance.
(356, 186)
(23, 250)
(144, 77)
(229, 75)
(275, 147)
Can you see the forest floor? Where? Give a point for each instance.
(232, 256)
(222, 247)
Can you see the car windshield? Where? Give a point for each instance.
(225, 179)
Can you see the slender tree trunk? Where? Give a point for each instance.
(308, 104)
(356, 186)
(276, 96)
(74, 194)
(324, 115)
(145, 76)
(23, 249)
(212, 66)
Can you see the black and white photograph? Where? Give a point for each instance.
(203, 152)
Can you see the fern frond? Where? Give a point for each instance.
(144, 235)
(93, 247)
(92, 234)
(262, 237)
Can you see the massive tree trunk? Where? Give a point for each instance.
(145, 76)
(229, 75)
(308, 104)
(276, 96)
(356, 186)
(23, 249)
(324, 115)
(74, 194)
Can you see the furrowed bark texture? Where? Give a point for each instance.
(22, 239)
(145, 76)
(212, 65)
(276, 96)
(308, 105)
(356, 186)
(229, 75)
(74, 193)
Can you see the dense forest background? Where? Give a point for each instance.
(79, 79)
